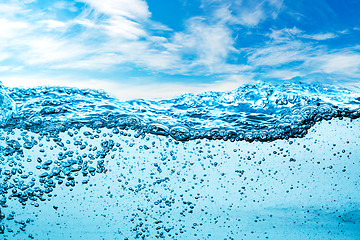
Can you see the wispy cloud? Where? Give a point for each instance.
(10, 9)
(10, 29)
(48, 50)
(320, 36)
(285, 34)
(251, 18)
(341, 63)
(276, 53)
(204, 44)
(248, 13)
(70, 6)
(132, 9)
(286, 56)
(52, 24)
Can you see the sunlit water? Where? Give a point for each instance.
(260, 162)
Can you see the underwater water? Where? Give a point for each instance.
(260, 162)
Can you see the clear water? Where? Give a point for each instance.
(260, 162)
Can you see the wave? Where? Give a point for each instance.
(253, 112)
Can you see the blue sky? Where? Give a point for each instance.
(159, 48)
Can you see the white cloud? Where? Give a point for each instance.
(212, 42)
(320, 36)
(70, 6)
(96, 62)
(133, 9)
(53, 24)
(10, 29)
(251, 18)
(341, 63)
(295, 33)
(286, 46)
(297, 58)
(48, 50)
(285, 34)
(4, 68)
(121, 27)
(248, 13)
(202, 48)
(206, 45)
(10, 9)
(87, 23)
(277, 5)
(277, 54)
(121, 32)
(50, 42)
(4, 55)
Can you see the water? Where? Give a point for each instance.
(262, 161)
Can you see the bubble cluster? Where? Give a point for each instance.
(252, 163)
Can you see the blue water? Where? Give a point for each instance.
(260, 162)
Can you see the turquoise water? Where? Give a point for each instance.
(260, 162)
